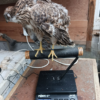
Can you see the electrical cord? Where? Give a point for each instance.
(12, 76)
(47, 59)
(22, 75)
(10, 81)
(64, 63)
(33, 50)
(53, 59)
(18, 51)
(32, 66)
(12, 65)
(15, 76)
(7, 79)
(37, 67)
(29, 43)
(32, 73)
(18, 73)
(42, 66)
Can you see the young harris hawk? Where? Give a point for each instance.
(45, 18)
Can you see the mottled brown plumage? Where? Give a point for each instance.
(44, 17)
(21, 4)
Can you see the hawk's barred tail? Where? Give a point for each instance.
(63, 38)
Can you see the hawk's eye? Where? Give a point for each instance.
(8, 16)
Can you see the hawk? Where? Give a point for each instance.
(21, 4)
(45, 18)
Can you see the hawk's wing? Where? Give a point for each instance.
(53, 20)
(20, 4)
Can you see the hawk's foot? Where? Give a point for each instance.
(40, 49)
(53, 54)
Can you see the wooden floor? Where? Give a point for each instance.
(87, 80)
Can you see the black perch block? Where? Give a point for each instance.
(61, 53)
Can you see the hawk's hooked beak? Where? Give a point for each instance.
(5, 16)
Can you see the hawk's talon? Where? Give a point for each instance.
(40, 49)
(53, 54)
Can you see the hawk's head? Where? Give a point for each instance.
(10, 15)
(7, 13)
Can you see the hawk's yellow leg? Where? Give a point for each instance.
(40, 49)
(52, 53)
